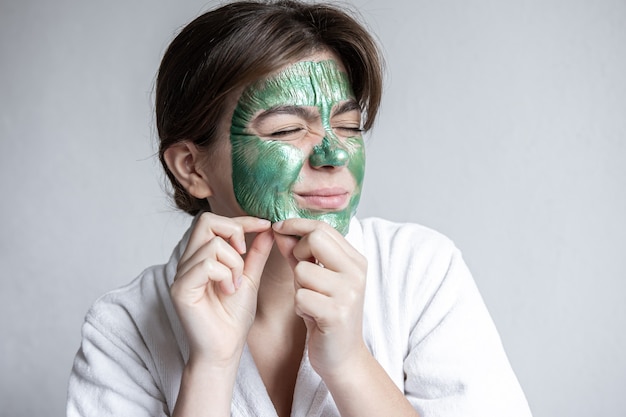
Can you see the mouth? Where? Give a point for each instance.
(326, 199)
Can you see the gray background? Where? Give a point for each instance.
(503, 126)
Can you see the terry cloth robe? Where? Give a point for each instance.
(424, 321)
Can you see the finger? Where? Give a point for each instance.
(249, 225)
(323, 250)
(319, 241)
(257, 256)
(302, 227)
(232, 230)
(289, 233)
(316, 278)
(219, 250)
(315, 306)
(286, 244)
(191, 286)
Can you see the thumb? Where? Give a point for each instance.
(309, 322)
(285, 244)
(257, 255)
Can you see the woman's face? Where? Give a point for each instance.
(296, 145)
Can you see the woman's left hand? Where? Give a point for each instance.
(330, 288)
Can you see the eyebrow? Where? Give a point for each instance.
(305, 113)
(346, 107)
(295, 110)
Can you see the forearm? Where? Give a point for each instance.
(362, 388)
(205, 391)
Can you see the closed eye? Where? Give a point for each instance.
(287, 134)
(348, 131)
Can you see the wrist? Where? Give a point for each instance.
(206, 388)
(352, 367)
(223, 365)
(361, 387)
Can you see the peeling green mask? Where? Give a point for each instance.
(267, 162)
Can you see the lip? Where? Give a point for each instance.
(323, 199)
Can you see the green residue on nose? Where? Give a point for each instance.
(328, 155)
(265, 171)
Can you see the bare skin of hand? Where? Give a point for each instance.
(329, 277)
(215, 296)
(215, 289)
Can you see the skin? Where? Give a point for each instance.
(242, 280)
(267, 156)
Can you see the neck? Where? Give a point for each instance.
(276, 290)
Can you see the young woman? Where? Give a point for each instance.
(278, 301)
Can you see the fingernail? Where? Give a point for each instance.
(238, 282)
(277, 225)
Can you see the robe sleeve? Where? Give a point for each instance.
(110, 375)
(456, 365)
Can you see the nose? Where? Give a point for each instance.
(328, 154)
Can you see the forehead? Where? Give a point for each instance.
(305, 83)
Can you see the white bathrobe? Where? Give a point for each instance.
(424, 321)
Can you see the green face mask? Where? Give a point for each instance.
(265, 170)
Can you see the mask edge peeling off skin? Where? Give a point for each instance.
(265, 171)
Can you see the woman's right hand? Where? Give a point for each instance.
(216, 285)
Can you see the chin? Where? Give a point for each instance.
(339, 220)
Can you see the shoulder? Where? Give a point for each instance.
(127, 352)
(386, 228)
(132, 298)
(413, 268)
(135, 312)
(408, 242)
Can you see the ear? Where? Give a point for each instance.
(184, 161)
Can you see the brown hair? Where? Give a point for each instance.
(232, 46)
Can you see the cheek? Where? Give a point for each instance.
(263, 175)
(356, 164)
(274, 165)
